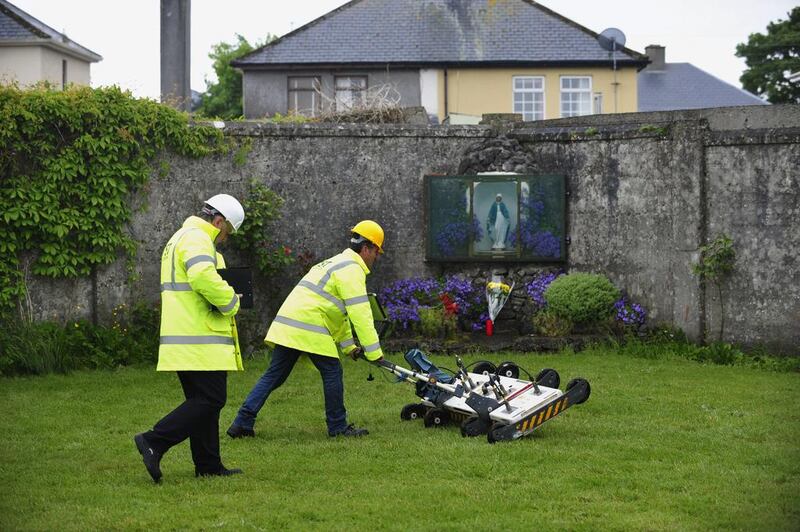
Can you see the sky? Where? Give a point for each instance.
(126, 33)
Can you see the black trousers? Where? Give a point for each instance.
(197, 418)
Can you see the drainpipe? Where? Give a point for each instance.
(446, 112)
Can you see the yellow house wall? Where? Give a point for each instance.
(478, 91)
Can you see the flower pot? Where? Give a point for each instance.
(489, 328)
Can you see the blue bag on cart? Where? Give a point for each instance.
(419, 362)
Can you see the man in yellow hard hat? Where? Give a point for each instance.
(315, 319)
(198, 337)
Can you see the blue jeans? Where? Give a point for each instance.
(283, 360)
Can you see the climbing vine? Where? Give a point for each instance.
(716, 263)
(69, 162)
(262, 207)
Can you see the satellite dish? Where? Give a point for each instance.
(611, 39)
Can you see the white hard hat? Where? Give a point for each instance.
(229, 207)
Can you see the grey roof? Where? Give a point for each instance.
(18, 28)
(684, 86)
(437, 32)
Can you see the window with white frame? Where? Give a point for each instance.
(529, 97)
(304, 95)
(576, 96)
(350, 92)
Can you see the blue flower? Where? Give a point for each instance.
(536, 287)
(457, 233)
(628, 313)
(403, 299)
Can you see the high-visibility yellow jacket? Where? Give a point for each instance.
(198, 331)
(317, 315)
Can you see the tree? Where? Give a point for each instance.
(771, 58)
(223, 99)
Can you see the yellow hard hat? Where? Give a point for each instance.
(371, 231)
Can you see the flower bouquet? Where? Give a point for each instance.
(497, 293)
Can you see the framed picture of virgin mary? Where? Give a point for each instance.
(495, 218)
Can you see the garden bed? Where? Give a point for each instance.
(502, 341)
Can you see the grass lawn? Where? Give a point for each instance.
(661, 444)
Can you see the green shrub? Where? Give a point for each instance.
(48, 347)
(548, 324)
(35, 349)
(666, 333)
(718, 353)
(582, 298)
(668, 342)
(434, 322)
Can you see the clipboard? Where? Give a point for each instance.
(241, 280)
(382, 321)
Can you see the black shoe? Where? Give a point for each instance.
(235, 431)
(222, 472)
(150, 457)
(351, 431)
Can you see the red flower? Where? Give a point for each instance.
(450, 306)
(287, 250)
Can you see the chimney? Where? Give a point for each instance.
(175, 53)
(656, 54)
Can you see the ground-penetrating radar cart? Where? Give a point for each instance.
(486, 400)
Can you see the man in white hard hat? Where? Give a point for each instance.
(315, 320)
(198, 337)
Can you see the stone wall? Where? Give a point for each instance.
(753, 190)
(642, 200)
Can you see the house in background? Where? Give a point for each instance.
(31, 51)
(671, 86)
(458, 59)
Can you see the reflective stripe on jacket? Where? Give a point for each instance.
(198, 331)
(317, 315)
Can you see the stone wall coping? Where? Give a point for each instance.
(789, 135)
(252, 128)
(603, 132)
(528, 132)
(719, 118)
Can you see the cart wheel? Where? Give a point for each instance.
(474, 426)
(491, 435)
(484, 367)
(548, 377)
(436, 417)
(508, 369)
(412, 411)
(583, 383)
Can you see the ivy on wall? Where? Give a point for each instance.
(257, 235)
(69, 160)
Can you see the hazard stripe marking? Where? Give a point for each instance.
(537, 418)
